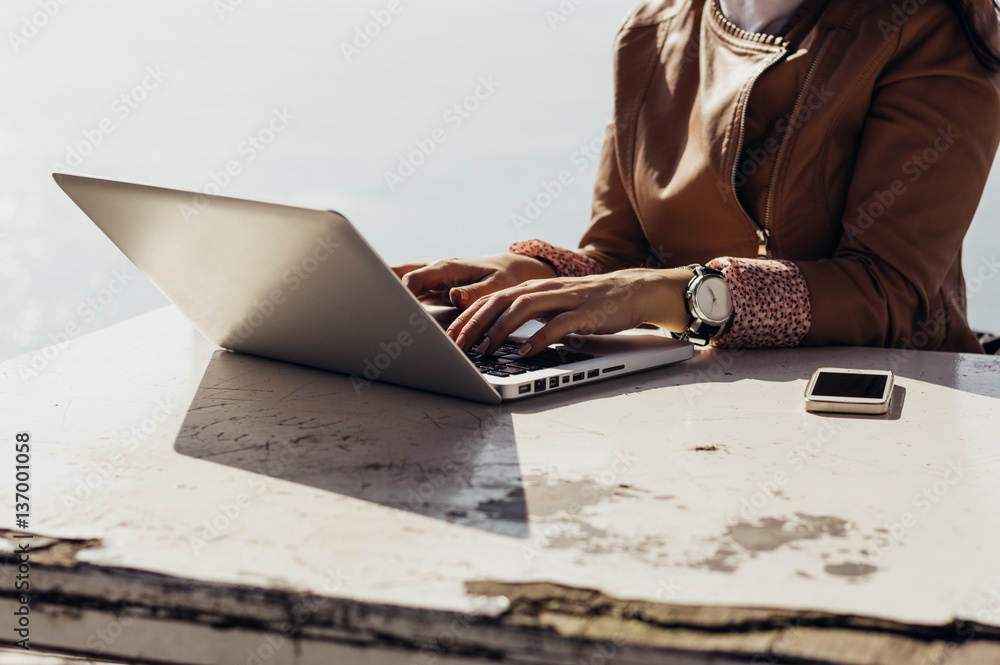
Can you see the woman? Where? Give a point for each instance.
(815, 166)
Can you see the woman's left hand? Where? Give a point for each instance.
(605, 303)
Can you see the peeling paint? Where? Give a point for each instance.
(772, 533)
(592, 614)
(551, 496)
(561, 519)
(53, 551)
(744, 540)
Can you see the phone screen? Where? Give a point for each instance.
(837, 384)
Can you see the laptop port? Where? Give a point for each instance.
(592, 373)
(578, 376)
(613, 369)
(554, 382)
(539, 385)
(566, 379)
(526, 388)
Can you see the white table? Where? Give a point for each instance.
(191, 505)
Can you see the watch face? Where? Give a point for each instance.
(712, 300)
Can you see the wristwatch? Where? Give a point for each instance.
(709, 303)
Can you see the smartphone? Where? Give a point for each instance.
(837, 390)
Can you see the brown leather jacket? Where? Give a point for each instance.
(857, 146)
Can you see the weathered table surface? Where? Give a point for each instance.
(192, 505)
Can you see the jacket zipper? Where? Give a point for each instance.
(764, 234)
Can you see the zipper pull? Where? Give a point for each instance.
(762, 237)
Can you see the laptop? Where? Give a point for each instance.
(303, 286)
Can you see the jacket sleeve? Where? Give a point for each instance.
(615, 239)
(924, 156)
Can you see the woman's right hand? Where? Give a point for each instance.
(460, 282)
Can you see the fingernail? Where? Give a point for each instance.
(456, 295)
(524, 350)
(483, 345)
(461, 341)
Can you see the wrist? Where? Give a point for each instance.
(666, 306)
(564, 262)
(532, 267)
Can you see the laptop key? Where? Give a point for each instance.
(506, 359)
(498, 373)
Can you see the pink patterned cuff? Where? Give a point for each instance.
(770, 303)
(566, 262)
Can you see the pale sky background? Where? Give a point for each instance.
(221, 76)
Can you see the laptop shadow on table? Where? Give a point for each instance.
(435, 456)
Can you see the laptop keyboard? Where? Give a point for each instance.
(506, 362)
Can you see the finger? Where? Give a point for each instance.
(566, 323)
(436, 298)
(539, 305)
(464, 330)
(464, 296)
(458, 325)
(428, 278)
(504, 313)
(443, 276)
(474, 308)
(403, 268)
(459, 329)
